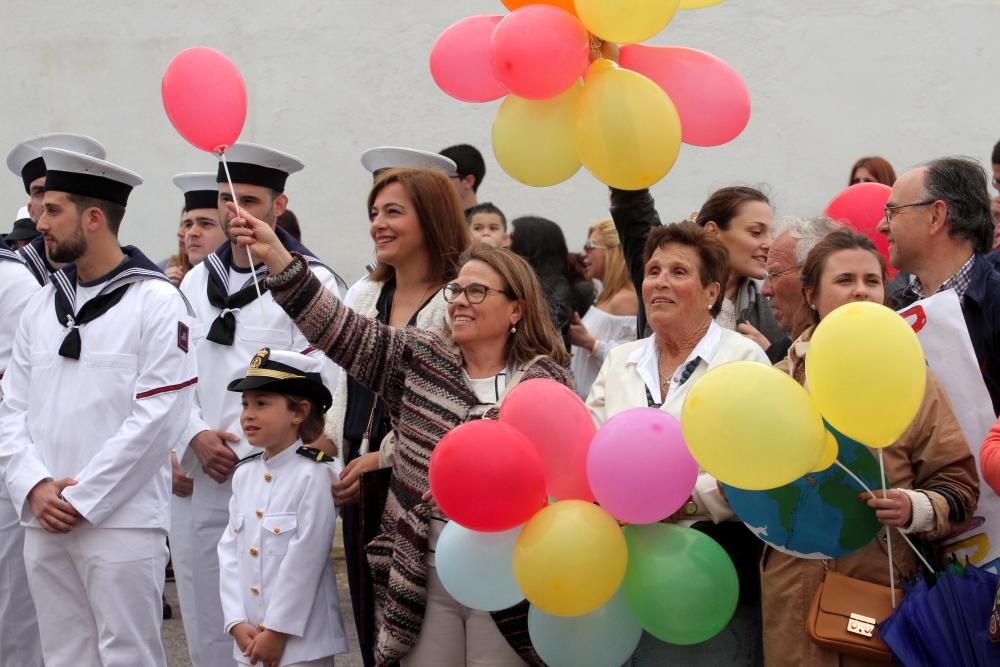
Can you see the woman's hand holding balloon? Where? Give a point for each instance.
(249, 232)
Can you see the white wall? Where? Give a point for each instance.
(830, 81)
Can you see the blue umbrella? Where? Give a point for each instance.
(945, 623)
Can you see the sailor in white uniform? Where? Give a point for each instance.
(98, 375)
(278, 585)
(25, 161)
(232, 324)
(19, 635)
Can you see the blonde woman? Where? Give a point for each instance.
(611, 320)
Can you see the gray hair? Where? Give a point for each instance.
(807, 232)
(961, 184)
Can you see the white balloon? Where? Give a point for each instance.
(477, 569)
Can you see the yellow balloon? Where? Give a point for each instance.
(627, 131)
(626, 21)
(752, 426)
(830, 451)
(533, 139)
(699, 4)
(570, 558)
(866, 372)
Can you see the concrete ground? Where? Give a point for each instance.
(173, 629)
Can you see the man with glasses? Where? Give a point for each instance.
(940, 228)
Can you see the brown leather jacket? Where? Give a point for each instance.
(931, 453)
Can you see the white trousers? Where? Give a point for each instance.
(196, 526)
(452, 635)
(98, 594)
(19, 643)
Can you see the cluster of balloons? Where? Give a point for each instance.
(536, 501)
(624, 121)
(753, 427)
(205, 98)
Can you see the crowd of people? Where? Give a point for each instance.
(233, 399)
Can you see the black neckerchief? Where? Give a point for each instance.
(33, 254)
(134, 268)
(218, 263)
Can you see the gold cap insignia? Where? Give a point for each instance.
(260, 357)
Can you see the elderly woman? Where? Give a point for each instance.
(686, 268)
(741, 217)
(431, 383)
(611, 320)
(931, 470)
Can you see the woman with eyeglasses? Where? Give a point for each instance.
(419, 233)
(611, 320)
(935, 485)
(431, 382)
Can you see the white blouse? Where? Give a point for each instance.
(611, 331)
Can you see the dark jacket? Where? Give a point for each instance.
(634, 213)
(981, 308)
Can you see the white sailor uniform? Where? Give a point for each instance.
(19, 644)
(199, 520)
(274, 559)
(106, 419)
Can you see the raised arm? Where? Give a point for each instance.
(373, 353)
(634, 214)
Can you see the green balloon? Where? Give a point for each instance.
(680, 584)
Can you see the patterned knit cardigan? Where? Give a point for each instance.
(419, 374)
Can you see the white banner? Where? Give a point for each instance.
(940, 326)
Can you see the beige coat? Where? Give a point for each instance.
(932, 452)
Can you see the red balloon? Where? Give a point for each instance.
(558, 424)
(487, 476)
(539, 51)
(862, 207)
(205, 98)
(461, 61)
(710, 96)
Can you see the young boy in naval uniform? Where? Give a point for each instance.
(279, 591)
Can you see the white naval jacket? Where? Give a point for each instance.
(16, 287)
(108, 419)
(262, 323)
(620, 386)
(274, 557)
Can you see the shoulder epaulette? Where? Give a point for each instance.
(248, 458)
(317, 455)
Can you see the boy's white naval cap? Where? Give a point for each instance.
(285, 373)
(200, 189)
(25, 160)
(87, 176)
(253, 164)
(381, 158)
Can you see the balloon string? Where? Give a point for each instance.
(232, 191)
(888, 533)
(871, 493)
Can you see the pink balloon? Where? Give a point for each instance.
(558, 424)
(639, 466)
(461, 61)
(862, 207)
(539, 51)
(710, 96)
(205, 98)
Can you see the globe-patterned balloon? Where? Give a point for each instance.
(818, 515)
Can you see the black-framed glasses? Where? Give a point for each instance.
(771, 276)
(474, 292)
(890, 210)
